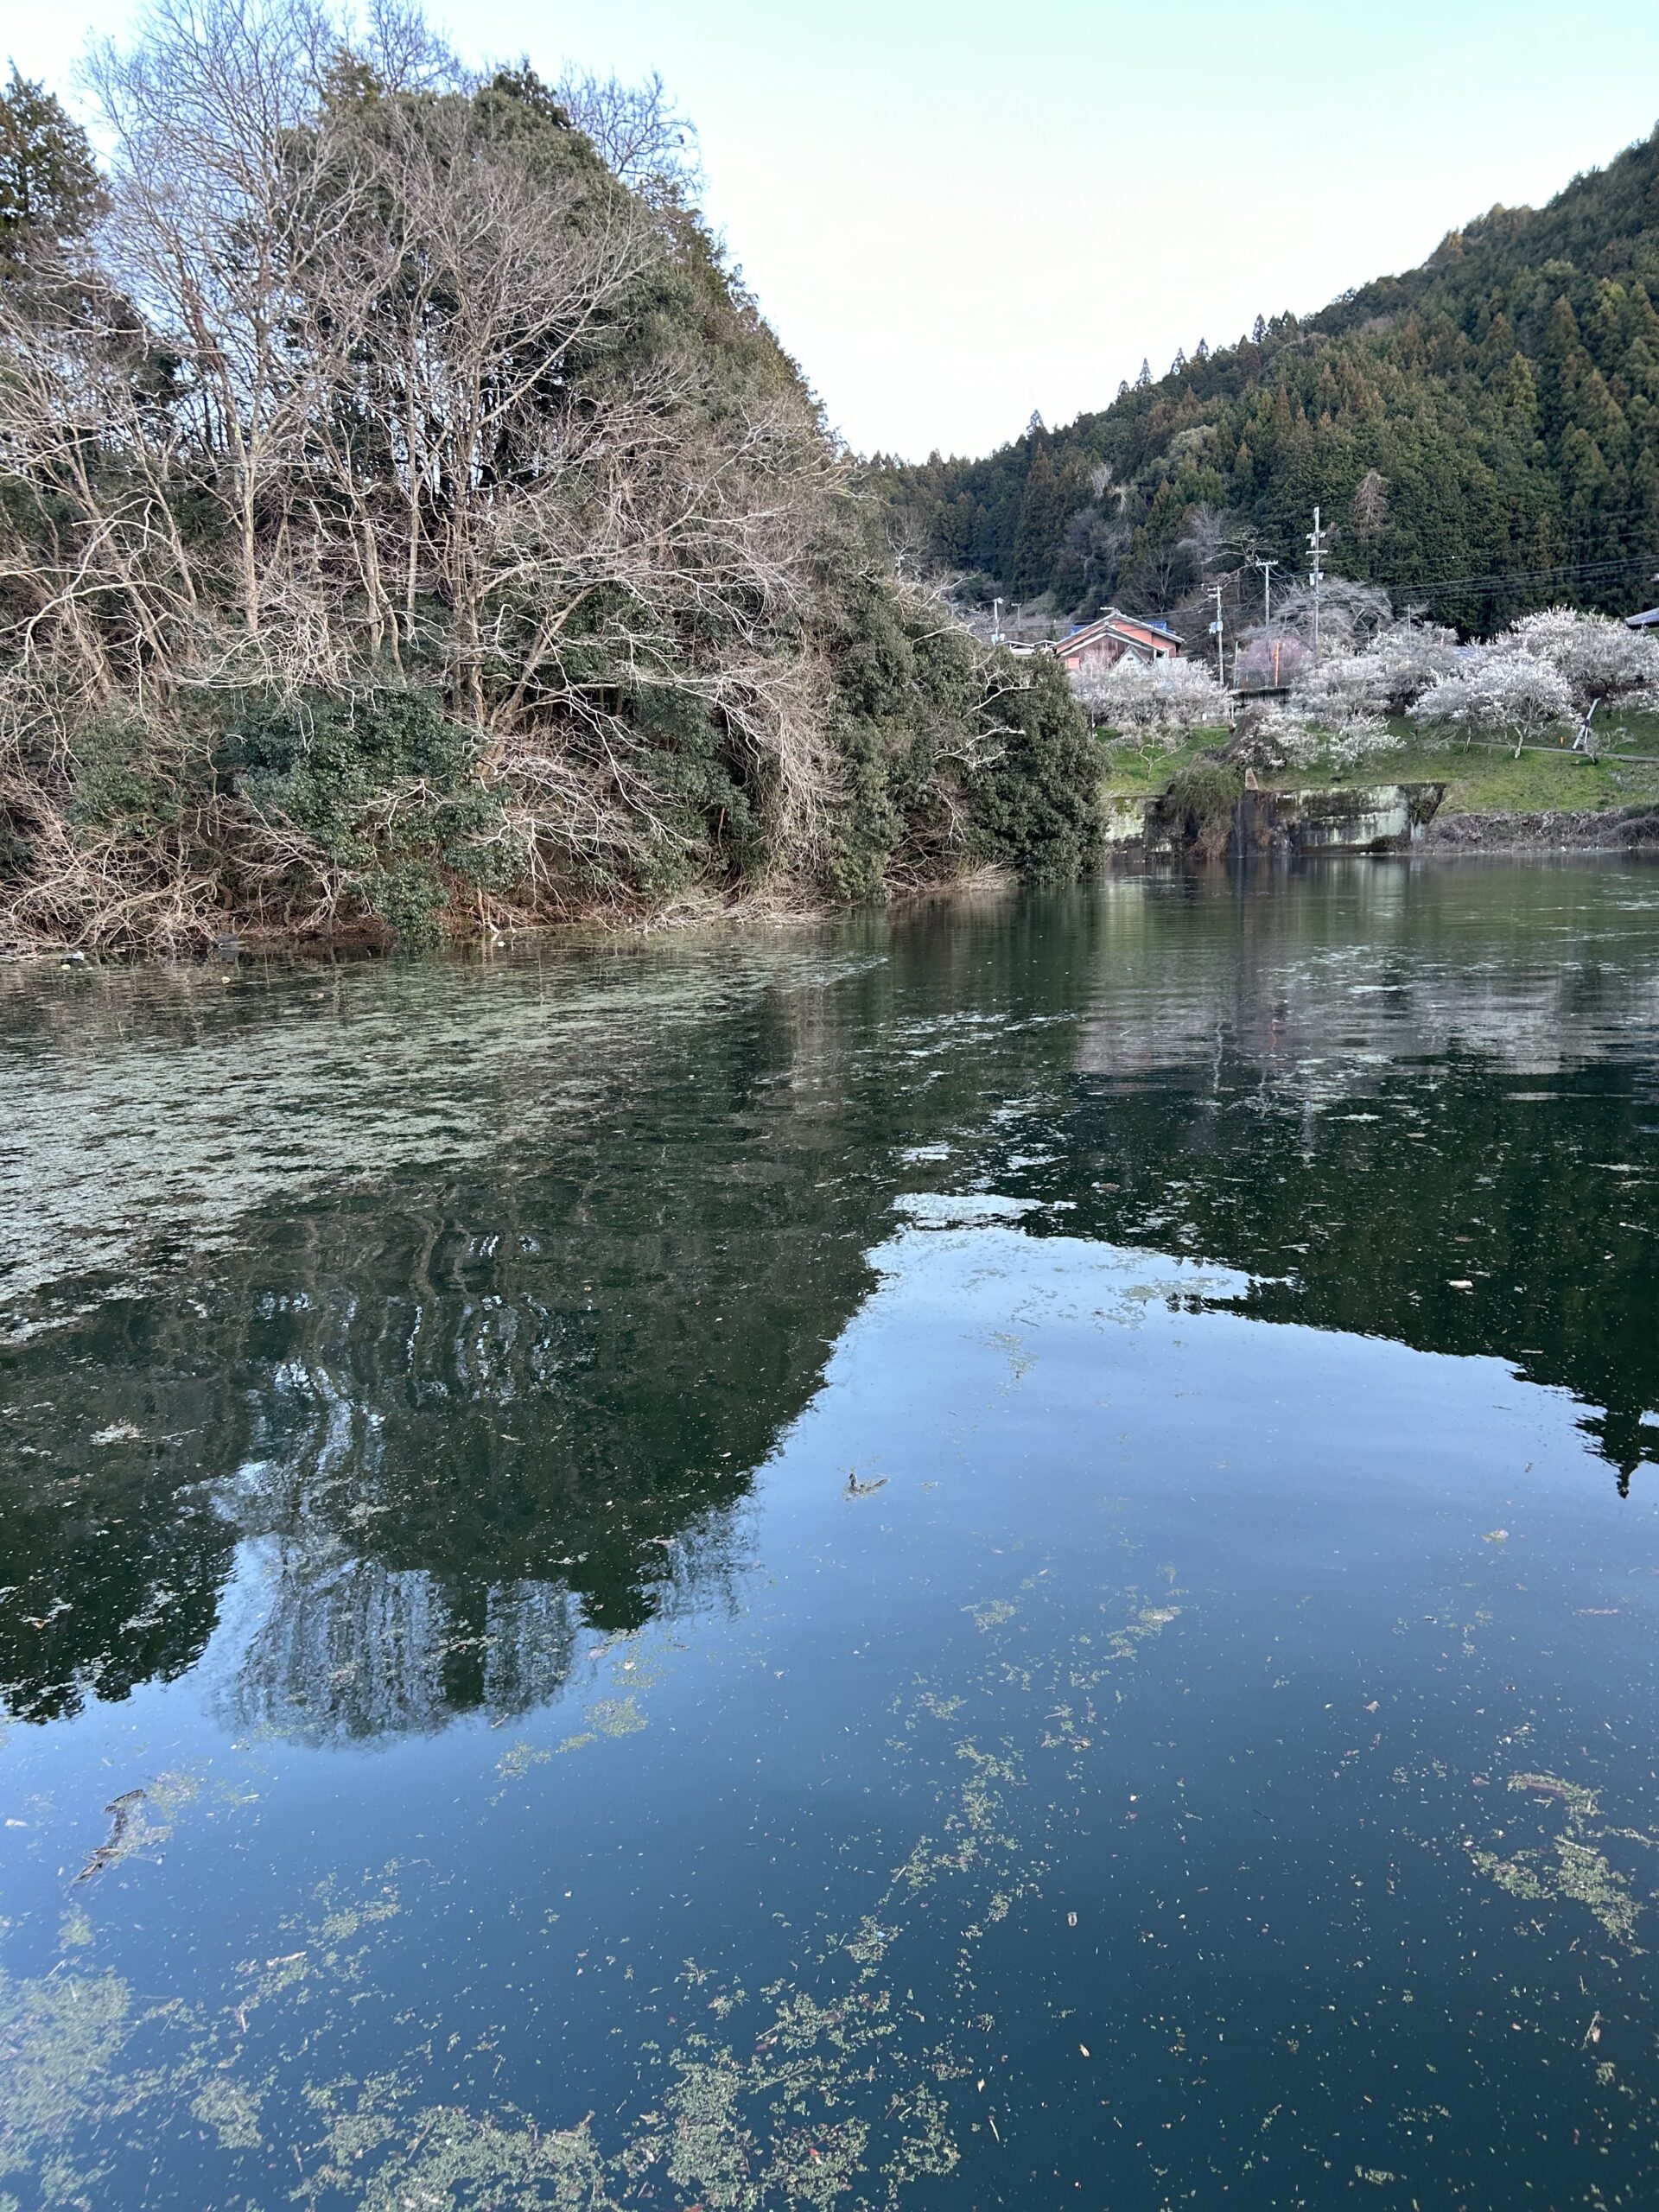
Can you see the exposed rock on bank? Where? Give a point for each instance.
(1581, 829)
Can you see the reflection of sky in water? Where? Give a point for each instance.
(982, 1628)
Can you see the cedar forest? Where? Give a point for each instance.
(1482, 431)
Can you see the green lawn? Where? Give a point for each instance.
(1480, 781)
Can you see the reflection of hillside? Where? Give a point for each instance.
(459, 1411)
(1359, 1124)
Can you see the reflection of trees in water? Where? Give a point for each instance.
(348, 1649)
(1321, 986)
(1341, 1118)
(463, 1413)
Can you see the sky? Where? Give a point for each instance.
(955, 215)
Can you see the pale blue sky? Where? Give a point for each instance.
(955, 214)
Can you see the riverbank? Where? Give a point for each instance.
(1482, 799)
(1630, 828)
(1392, 817)
(1485, 779)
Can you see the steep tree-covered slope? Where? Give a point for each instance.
(407, 523)
(1482, 431)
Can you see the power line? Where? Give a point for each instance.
(1565, 571)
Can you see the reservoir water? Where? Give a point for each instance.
(998, 1556)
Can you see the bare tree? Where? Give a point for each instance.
(639, 135)
(1350, 614)
(1369, 510)
(1205, 536)
(357, 380)
(211, 229)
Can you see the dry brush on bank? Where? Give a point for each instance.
(405, 518)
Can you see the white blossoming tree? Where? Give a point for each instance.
(1600, 659)
(1158, 703)
(1384, 678)
(1510, 691)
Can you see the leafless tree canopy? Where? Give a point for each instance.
(374, 381)
(639, 134)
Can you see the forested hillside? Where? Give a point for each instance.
(408, 525)
(1482, 431)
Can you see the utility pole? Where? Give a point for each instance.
(1266, 568)
(1316, 545)
(1216, 632)
(996, 621)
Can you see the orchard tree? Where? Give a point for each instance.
(1512, 693)
(1600, 658)
(1386, 679)
(1160, 702)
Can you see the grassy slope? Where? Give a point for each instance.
(1481, 781)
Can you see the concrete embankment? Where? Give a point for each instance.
(1367, 818)
(1357, 818)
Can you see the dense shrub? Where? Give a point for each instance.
(1198, 810)
(381, 787)
(1037, 805)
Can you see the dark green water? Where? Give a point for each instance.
(1001, 1559)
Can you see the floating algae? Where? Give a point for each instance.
(1573, 1868)
(825, 2088)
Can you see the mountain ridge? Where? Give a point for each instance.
(1492, 414)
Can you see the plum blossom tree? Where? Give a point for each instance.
(1512, 692)
(1395, 669)
(1160, 702)
(1600, 658)
(1274, 737)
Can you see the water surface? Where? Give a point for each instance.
(1003, 1557)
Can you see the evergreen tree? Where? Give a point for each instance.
(49, 186)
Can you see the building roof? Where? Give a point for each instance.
(1648, 621)
(1113, 621)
